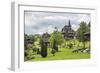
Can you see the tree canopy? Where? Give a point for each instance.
(57, 37)
(81, 31)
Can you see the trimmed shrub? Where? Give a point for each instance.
(43, 49)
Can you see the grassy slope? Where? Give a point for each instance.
(63, 54)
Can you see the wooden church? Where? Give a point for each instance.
(68, 32)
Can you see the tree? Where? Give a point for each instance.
(25, 40)
(28, 43)
(55, 45)
(43, 49)
(28, 39)
(31, 39)
(81, 31)
(29, 54)
(56, 39)
(89, 25)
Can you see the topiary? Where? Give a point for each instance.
(43, 49)
(70, 45)
(53, 52)
(55, 46)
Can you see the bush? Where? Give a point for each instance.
(38, 51)
(29, 54)
(53, 52)
(70, 45)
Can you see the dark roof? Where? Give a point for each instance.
(87, 34)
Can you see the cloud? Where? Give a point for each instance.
(55, 17)
(41, 22)
(85, 18)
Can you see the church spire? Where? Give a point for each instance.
(69, 23)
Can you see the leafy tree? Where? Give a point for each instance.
(28, 39)
(29, 54)
(56, 39)
(81, 31)
(31, 39)
(89, 25)
(28, 42)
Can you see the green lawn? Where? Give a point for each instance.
(63, 54)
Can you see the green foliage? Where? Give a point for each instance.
(53, 52)
(70, 45)
(29, 54)
(55, 45)
(57, 37)
(28, 39)
(89, 25)
(29, 45)
(80, 34)
(31, 39)
(81, 31)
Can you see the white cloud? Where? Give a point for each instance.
(75, 27)
(85, 18)
(50, 29)
(56, 17)
(41, 22)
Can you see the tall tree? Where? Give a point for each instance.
(89, 25)
(56, 39)
(81, 31)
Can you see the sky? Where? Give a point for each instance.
(41, 22)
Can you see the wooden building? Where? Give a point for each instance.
(67, 31)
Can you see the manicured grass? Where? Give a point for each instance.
(63, 54)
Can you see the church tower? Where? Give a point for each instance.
(69, 24)
(67, 31)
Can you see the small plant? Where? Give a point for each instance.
(55, 46)
(38, 51)
(70, 45)
(53, 52)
